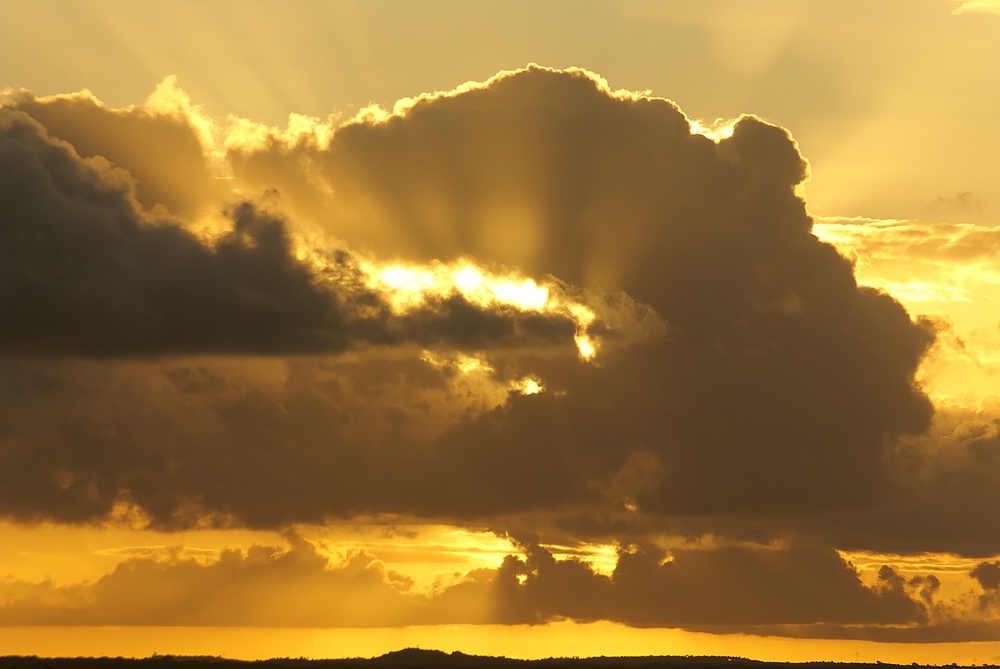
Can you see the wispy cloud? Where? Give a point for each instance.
(978, 7)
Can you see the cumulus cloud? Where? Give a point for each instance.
(737, 409)
(727, 587)
(944, 490)
(87, 271)
(300, 585)
(162, 150)
(771, 341)
(259, 442)
(262, 586)
(333, 353)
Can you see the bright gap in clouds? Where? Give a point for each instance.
(717, 130)
(409, 286)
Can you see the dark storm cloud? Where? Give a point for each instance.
(988, 575)
(941, 493)
(729, 586)
(246, 442)
(780, 379)
(772, 393)
(762, 408)
(84, 270)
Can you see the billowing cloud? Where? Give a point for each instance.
(162, 151)
(300, 585)
(263, 586)
(87, 271)
(740, 408)
(944, 492)
(728, 587)
(737, 409)
(534, 305)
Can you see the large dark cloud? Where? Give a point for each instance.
(773, 391)
(236, 441)
(767, 404)
(779, 380)
(943, 493)
(85, 271)
(728, 586)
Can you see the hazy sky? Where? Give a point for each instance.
(524, 328)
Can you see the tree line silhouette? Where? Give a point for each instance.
(417, 658)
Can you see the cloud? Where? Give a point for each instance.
(770, 341)
(977, 7)
(728, 587)
(162, 150)
(738, 406)
(299, 585)
(988, 575)
(919, 263)
(262, 586)
(355, 338)
(228, 441)
(87, 271)
(941, 492)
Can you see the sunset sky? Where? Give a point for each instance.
(525, 328)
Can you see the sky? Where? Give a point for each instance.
(536, 329)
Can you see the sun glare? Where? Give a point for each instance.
(409, 286)
(527, 386)
(717, 130)
(474, 365)
(585, 346)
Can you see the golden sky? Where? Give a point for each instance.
(562, 328)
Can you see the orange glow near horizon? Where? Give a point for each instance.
(562, 639)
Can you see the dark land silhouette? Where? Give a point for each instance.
(417, 658)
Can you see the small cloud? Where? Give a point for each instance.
(962, 202)
(158, 552)
(978, 7)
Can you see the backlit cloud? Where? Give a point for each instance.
(80, 250)
(534, 305)
(977, 6)
(608, 191)
(300, 585)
